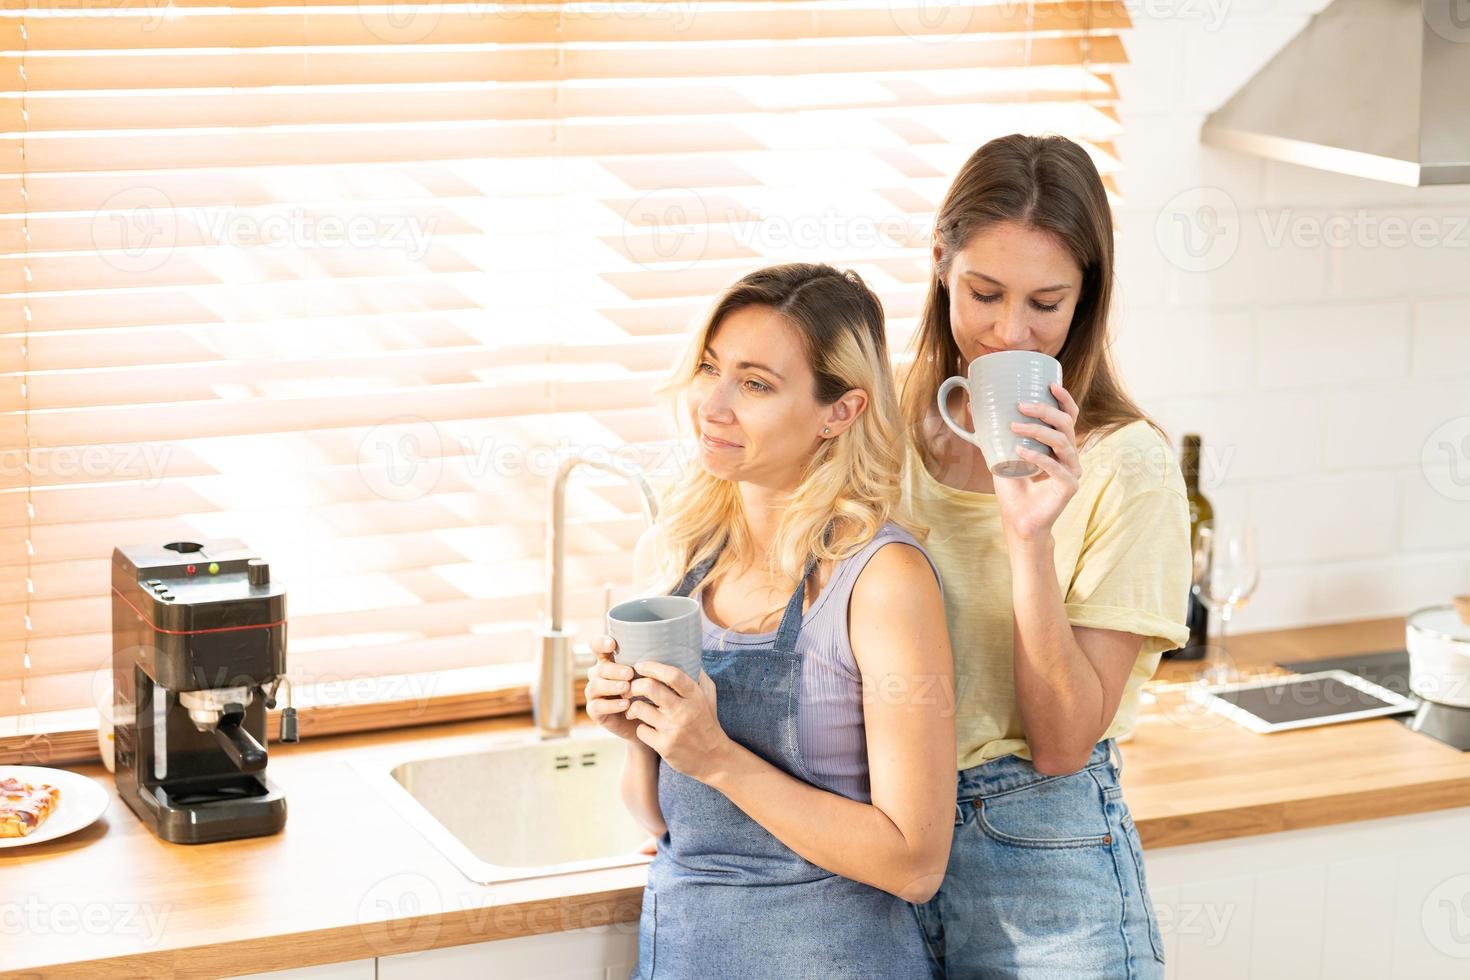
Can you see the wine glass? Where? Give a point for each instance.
(1225, 575)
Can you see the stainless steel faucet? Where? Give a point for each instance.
(551, 687)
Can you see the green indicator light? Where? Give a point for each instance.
(214, 568)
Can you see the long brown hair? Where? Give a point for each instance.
(1048, 183)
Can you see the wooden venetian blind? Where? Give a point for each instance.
(343, 279)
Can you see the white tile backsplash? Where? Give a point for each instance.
(1263, 269)
(1175, 166)
(1153, 81)
(1215, 59)
(1394, 251)
(1143, 272)
(1376, 425)
(1314, 328)
(1334, 591)
(1327, 518)
(1332, 345)
(1435, 502)
(1186, 352)
(1441, 344)
(1248, 435)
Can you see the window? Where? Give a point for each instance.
(343, 281)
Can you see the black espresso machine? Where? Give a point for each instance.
(198, 654)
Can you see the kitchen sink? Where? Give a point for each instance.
(519, 807)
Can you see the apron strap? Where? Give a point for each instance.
(695, 575)
(790, 627)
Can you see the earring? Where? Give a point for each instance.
(826, 430)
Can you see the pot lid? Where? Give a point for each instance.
(1440, 620)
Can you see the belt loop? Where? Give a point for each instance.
(1114, 753)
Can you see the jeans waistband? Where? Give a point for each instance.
(1012, 772)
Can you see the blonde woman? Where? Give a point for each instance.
(1061, 590)
(801, 789)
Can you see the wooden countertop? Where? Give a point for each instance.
(1190, 776)
(349, 878)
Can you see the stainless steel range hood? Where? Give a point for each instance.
(1373, 88)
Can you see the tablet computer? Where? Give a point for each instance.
(1277, 704)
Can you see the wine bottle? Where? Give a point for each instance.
(1201, 514)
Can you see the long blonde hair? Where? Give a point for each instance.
(852, 481)
(1048, 183)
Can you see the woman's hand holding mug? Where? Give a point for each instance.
(680, 719)
(1029, 507)
(1026, 428)
(677, 714)
(657, 682)
(608, 691)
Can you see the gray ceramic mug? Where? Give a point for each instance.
(663, 628)
(997, 385)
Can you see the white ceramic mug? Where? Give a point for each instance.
(665, 628)
(997, 385)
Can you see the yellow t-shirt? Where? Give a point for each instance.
(1123, 563)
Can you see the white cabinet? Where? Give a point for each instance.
(354, 970)
(600, 953)
(1374, 900)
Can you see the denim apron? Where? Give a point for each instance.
(725, 899)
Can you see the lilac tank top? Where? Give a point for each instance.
(829, 716)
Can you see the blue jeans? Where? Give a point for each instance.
(1045, 879)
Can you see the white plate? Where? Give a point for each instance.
(82, 801)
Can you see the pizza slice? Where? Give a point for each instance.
(24, 807)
